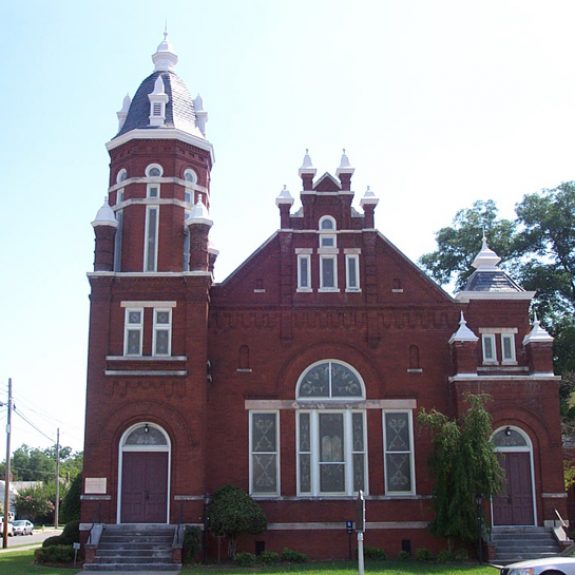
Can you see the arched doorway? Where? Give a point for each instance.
(515, 504)
(144, 470)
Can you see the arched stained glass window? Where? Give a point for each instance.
(330, 380)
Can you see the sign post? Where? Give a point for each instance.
(360, 528)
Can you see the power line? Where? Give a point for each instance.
(22, 416)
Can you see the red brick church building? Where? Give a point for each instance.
(299, 377)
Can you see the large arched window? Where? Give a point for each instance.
(331, 433)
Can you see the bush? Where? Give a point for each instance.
(291, 556)
(245, 559)
(423, 554)
(269, 557)
(54, 554)
(374, 553)
(51, 541)
(456, 556)
(71, 532)
(403, 555)
(69, 535)
(192, 543)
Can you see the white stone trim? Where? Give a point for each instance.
(145, 372)
(149, 358)
(466, 296)
(528, 378)
(340, 525)
(162, 134)
(158, 303)
(389, 404)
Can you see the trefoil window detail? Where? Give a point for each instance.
(264, 453)
(398, 452)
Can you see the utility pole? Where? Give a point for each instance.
(57, 509)
(7, 467)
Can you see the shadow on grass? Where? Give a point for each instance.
(22, 563)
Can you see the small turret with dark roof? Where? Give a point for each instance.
(488, 281)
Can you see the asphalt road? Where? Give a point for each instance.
(29, 540)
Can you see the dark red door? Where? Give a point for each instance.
(514, 504)
(144, 487)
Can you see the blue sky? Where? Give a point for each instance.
(438, 103)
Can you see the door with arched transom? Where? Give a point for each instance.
(514, 504)
(144, 474)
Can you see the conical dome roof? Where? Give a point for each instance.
(180, 112)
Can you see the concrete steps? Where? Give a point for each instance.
(135, 548)
(518, 543)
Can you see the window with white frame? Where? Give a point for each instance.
(118, 240)
(327, 236)
(352, 272)
(191, 179)
(133, 330)
(489, 349)
(508, 348)
(304, 272)
(398, 452)
(154, 171)
(264, 453)
(121, 176)
(331, 439)
(162, 334)
(498, 343)
(328, 272)
(153, 191)
(151, 243)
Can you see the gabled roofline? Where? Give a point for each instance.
(417, 269)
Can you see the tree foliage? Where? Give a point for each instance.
(35, 464)
(233, 512)
(36, 504)
(538, 247)
(464, 465)
(538, 250)
(70, 508)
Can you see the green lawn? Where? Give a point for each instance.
(348, 568)
(22, 563)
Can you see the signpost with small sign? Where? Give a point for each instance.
(360, 528)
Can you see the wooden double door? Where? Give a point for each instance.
(144, 492)
(514, 504)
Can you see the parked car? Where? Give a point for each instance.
(10, 528)
(562, 564)
(23, 527)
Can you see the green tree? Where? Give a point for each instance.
(70, 508)
(233, 512)
(538, 250)
(464, 465)
(36, 503)
(35, 464)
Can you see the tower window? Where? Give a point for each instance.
(122, 175)
(154, 171)
(162, 334)
(190, 176)
(151, 243)
(134, 325)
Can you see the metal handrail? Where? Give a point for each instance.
(563, 523)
